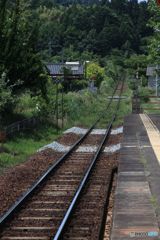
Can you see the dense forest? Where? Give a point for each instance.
(95, 28)
(34, 32)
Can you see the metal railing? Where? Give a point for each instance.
(20, 126)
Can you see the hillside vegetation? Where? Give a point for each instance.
(36, 31)
(118, 38)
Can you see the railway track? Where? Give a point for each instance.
(68, 190)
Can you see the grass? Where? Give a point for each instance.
(19, 148)
(150, 103)
(81, 109)
(85, 109)
(154, 202)
(152, 106)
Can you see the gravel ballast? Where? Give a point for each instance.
(78, 130)
(16, 180)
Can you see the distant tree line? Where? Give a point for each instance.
(21, 68)
(95, 28)
(37, 31)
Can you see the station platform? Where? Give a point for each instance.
(137, 201)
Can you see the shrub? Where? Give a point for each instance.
(144, 94)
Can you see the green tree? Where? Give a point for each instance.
(95, 73)
(154, 41)
(6, 97)
(19, 57)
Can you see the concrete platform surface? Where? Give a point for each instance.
(137, 200)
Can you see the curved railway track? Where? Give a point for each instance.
(47, 209)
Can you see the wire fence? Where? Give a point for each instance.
(20, 126)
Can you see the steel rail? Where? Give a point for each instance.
(108, 193)
(7, 216)
(28, 193)
(105, 207)
(81, 186)
(72, 206)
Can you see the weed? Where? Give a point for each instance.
(20, 147)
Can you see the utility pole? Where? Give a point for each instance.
(50, 48)
(135, 99)
(62, 100)
(157, 80)
(85, 68)
(137, 77)
(57, 104)
(62, 109)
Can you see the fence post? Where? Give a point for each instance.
(2, 136)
